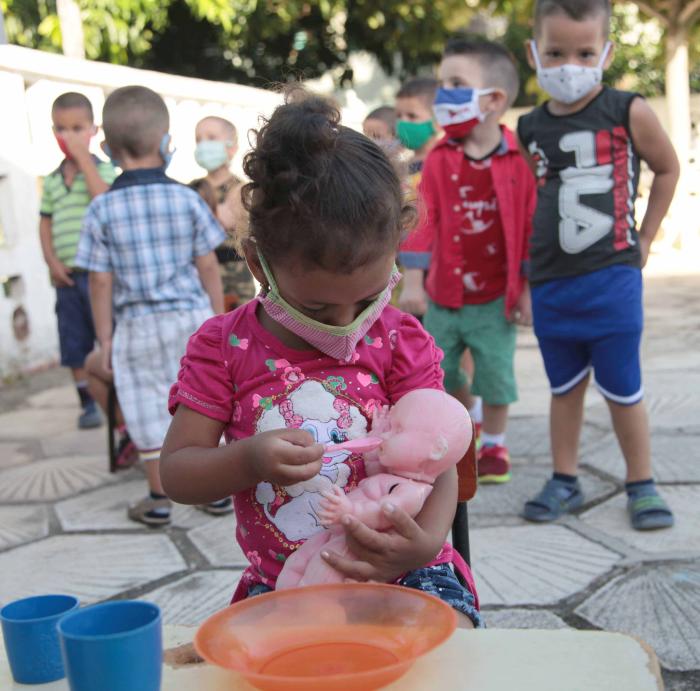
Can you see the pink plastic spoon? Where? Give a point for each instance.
(360, 445)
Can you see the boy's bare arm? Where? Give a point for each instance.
(100, 287)
(208, 270)
(60, 273)
(656, 149)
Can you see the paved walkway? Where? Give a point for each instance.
(63, 525)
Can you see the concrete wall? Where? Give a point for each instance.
(29, 82)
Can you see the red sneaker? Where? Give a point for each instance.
(493, 465)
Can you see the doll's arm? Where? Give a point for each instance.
(296, 563)
(366, 501)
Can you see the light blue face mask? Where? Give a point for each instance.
(164, 150)
(212, 154)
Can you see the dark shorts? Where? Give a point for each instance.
(438, 580)
(592, 322)
(76, 333)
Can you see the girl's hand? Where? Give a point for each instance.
(385, 556)
(283, 457)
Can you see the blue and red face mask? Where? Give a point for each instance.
(457, 111)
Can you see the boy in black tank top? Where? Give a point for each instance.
(586, 254)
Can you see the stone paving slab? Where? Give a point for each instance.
(535, 565)
(37, 423)
(672, 399)
(611, 518)
(19, 524)
(190, 600)
(13, 453)
(105, 509)
(217, 542)
(660, 604)
(78, 443)
(53, 479)
(523, 619)
(528, 438)
(675, 457)
(526, 482)
(90, 567)
(56, 397)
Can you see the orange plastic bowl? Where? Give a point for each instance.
(344, 637)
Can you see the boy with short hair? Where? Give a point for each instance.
(586, 144)
(479, 196)
(217, 144)
(380, 125)
(67, 193)
(149, 247)
(415, 126)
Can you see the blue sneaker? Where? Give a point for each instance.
(90, 417)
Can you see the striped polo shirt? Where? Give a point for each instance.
(66, 207)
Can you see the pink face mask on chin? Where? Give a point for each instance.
(338, 342)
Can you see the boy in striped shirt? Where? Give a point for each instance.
(67, 192)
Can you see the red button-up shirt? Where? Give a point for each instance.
(436, 244)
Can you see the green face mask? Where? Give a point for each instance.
(414, 135)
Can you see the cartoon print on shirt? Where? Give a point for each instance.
(471, 283)
(475, 210)
(541, 162)
(329, 418)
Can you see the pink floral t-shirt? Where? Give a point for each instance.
(237, 372)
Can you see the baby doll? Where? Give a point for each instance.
(422, 435)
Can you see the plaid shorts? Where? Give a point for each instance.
(146, 355)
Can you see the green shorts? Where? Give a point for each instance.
(490, 338)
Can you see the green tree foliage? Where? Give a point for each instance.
(261, 41)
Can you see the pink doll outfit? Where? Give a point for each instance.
(237, 372)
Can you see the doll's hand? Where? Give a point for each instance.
(334, 505)
(283, 456)
(380, 420)
(384, 556)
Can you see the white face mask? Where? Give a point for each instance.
(569, 83)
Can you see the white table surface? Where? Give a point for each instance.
(486, 660)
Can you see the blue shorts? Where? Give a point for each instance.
(76, 333)
(592, 322)
(438, 580)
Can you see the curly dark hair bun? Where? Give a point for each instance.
(319, 192)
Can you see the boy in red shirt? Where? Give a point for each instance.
(479, 196)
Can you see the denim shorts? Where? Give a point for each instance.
(437, 580)
(76, 333)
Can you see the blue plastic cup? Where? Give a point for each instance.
(113, 646)
(31, 637)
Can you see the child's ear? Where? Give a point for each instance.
(250, 253)
(529, 47)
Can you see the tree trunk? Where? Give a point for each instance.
(678, 89)
(71, 28)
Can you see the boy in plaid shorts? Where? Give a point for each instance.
(148, 244)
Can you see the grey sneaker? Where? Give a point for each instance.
(90, 417)
(151, 511)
